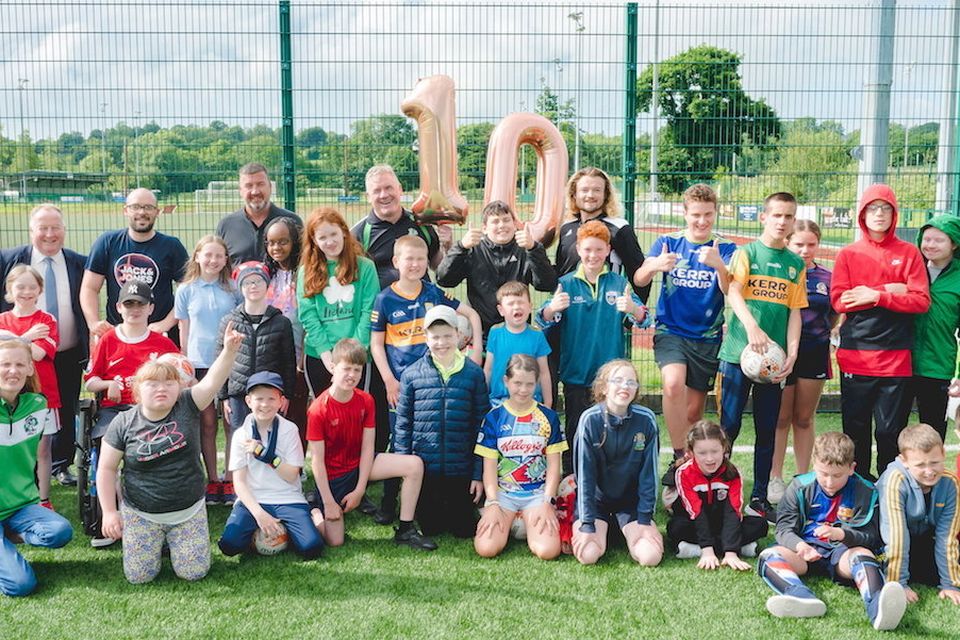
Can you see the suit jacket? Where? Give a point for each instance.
(9, 258)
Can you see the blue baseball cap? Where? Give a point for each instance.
(265, 379)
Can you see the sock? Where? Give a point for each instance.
(777, 573)
(405, 525)
(867, 576)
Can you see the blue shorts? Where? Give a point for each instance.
(520, 503)
(339, 487)
(827, 565)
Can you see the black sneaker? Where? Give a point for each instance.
(383, 516)
(669, 478)
(760, 508)
(366, 507)
(414, 539)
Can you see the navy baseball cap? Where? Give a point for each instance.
(265, 379)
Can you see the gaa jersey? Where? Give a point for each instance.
(401, 319)
(520, 444)
(774, 283)
(118, 358)
(818, 316)
(691, 303)
(21, 427)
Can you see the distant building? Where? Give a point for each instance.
(51, 185)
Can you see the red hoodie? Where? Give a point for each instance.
(875, 340)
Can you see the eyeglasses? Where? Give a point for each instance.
(144, 208)
(623, 383)
(278, 243)
(877, 208)
(250, 282)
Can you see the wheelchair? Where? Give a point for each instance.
(87, 455)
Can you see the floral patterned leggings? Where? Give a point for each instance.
(189, 544)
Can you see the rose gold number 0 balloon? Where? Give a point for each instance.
(552, 162)
(432, 105)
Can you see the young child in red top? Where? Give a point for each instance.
(39, 328)
(709, 520)
(341, 426)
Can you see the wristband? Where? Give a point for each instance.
(258, 451)
(275, 462)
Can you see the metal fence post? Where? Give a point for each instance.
(630, 115)
(289, 185)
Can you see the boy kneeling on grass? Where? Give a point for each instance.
(919, 519)
(828, 521)
(266, 458)
(341, 430)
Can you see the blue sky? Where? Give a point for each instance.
(193, 62)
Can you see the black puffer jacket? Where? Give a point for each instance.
(268, 347)
(488, 266)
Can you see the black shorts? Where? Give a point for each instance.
(813, 363)
(827, 564)
(622, 513)
(700, 357)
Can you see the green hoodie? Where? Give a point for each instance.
(935, 345)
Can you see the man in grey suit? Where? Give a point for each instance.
(62, 271)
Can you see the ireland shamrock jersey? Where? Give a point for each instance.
(774, 282)
(691, 303)
(520, 444)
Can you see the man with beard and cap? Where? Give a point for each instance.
(243, 229)
(880, 282)
(935, 342)
(138, 252)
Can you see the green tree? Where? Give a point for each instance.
(472, 140)
(812, 160)
(707, 114)
(380, 139)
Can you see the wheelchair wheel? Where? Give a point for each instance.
(89, 504)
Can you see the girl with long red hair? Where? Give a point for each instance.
(336, 287)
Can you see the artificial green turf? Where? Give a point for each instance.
(372, 589)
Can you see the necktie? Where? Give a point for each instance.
(50, 289)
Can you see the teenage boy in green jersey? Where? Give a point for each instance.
(767, 290)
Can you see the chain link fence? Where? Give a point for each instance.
(751, 97)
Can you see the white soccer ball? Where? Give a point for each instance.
(182, 364)
(267, 545)
(763, 367)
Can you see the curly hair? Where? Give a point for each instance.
(611, 202)
(294, 259)
(314, 261)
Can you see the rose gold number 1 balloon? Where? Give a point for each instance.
(503, 154)
(432, 105)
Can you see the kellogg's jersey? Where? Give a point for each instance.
(401, 319)
(520, 444)
(691, 303)
(774, 283)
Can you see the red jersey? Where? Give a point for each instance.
(340, 425)
(45, 370)
(118, 358)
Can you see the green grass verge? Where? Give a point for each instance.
(371, 588)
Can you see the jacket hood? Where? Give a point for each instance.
(950, 225)
(878, 191)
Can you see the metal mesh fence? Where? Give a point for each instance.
(752, 97)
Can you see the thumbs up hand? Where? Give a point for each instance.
(523, 238)
(625, 302)
(561, 300)
(471, 238)
(665, 262)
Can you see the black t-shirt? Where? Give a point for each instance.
(377, 238)
(625, 255)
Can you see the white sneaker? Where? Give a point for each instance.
(890, 608)
(688, 550)
(100, 543)
(749, 550)
(775, 490)
(783, 606)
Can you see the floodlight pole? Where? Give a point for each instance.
(21, 87)
(654, 182)
(876, 125)
(948, 153)
(577, 17)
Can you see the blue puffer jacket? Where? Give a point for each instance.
(439, 421)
